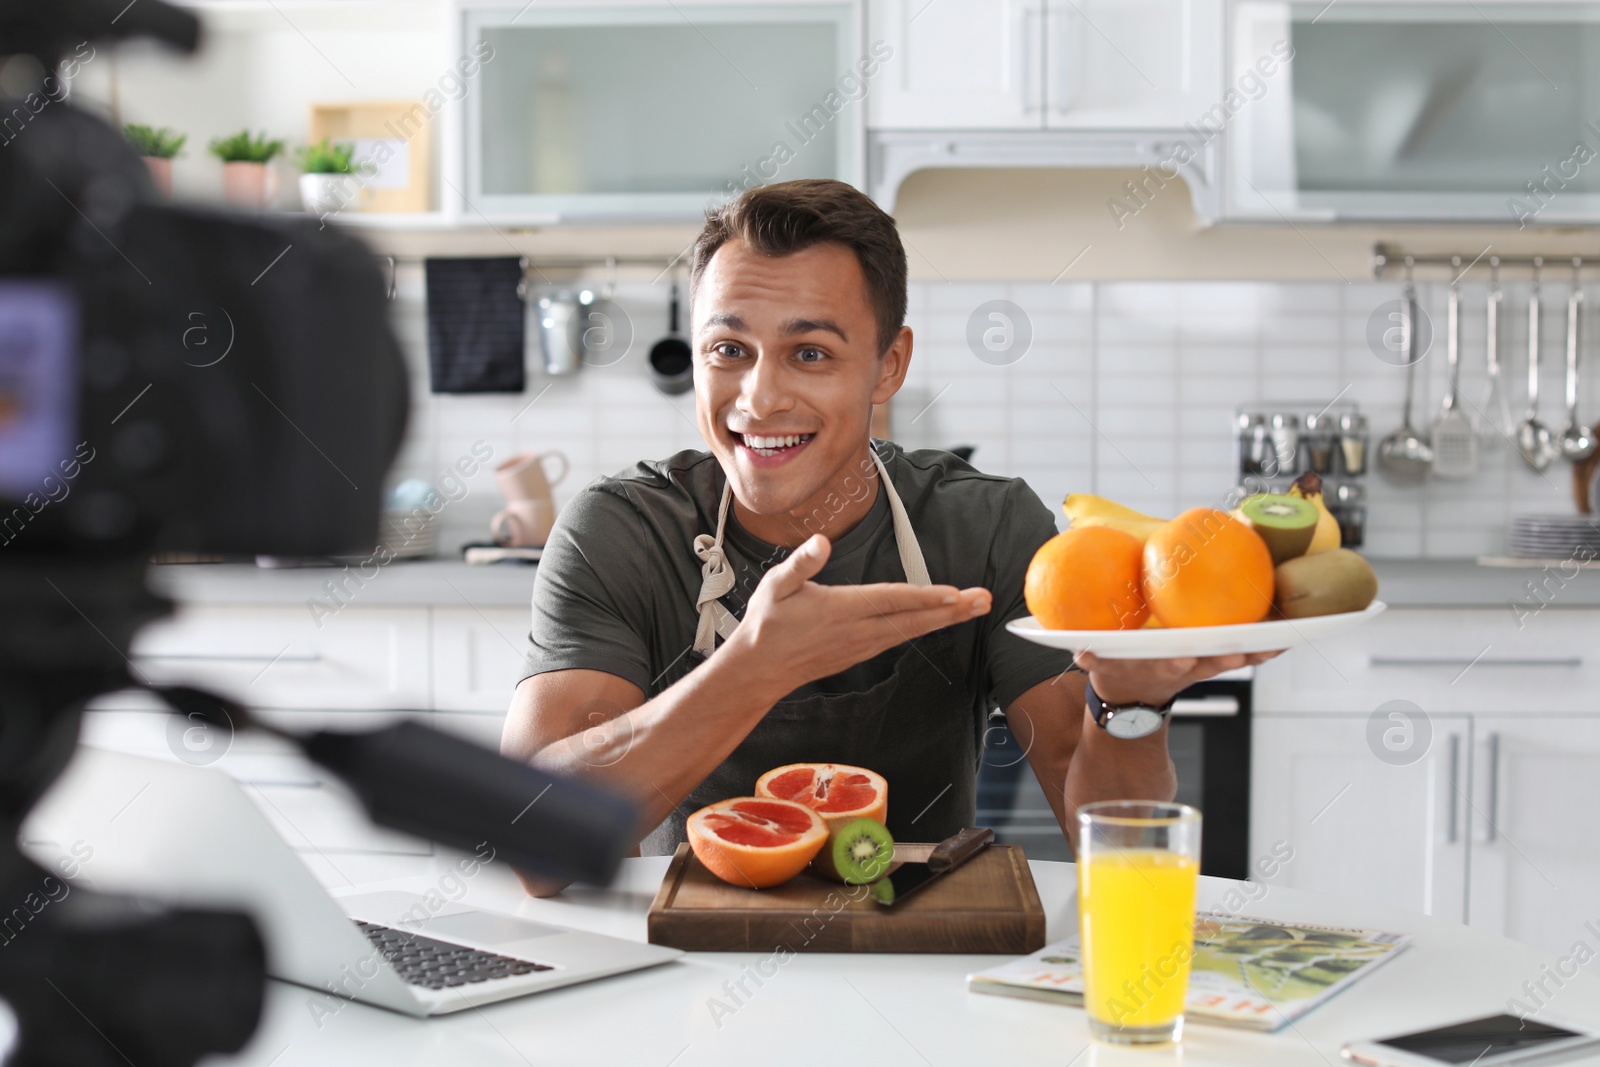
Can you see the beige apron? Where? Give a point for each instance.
(716, 577)
(920, 726)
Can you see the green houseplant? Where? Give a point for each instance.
(246, 179)
(330, 182)
(158, 146)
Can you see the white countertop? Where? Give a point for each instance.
(447, 582)
(894, 1010)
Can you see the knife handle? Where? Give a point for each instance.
(953, 851)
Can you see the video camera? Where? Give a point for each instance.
(123, 434)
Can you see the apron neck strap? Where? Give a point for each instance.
(716, 577)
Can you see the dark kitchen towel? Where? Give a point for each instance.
(475, 325)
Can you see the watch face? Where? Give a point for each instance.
(1129, 723)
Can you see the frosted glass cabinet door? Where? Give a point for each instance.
(654, 110)
(977, 64)
(1132, 64)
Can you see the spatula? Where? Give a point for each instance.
(1455, 446)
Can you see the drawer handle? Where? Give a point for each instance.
(1206, 706)
(229, 657)
(1467, 661)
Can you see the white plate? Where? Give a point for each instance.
(1194, 640)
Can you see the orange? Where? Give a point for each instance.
(1206, 568)
(756, 841)
(1087, 579)
(836, 791)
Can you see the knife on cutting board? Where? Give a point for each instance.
(944, 857)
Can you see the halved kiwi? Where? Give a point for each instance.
(1286, 523)
(858, 852)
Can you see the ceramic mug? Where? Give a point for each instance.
(523, 523)
(523, 476)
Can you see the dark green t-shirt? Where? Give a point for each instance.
(615, 591)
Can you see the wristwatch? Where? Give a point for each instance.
(1127, 721)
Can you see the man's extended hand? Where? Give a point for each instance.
(796, 631)
(1156, 681)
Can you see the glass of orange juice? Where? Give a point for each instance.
(1138, 861)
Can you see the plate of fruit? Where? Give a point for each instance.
(1267, 575)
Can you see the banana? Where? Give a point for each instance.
(1309, 487)
(1083, 505)
(1140, 528)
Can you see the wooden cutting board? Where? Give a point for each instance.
(988, 904)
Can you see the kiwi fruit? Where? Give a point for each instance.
(1327, 583)
(857, 852)
(1286, 523)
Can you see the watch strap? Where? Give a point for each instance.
(1099, 709)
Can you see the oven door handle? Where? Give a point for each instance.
(1205, 707)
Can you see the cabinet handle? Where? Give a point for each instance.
(1452, 831)
(1468, 661)
(1489, 831)
(229, 657)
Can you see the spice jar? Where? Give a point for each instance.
(1350, 508)
(1353, 444)
(1254, 443)
(1318, 443)
(1286, 429)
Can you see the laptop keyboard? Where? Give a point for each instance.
(433, 964)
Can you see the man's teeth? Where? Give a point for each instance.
(752, 441)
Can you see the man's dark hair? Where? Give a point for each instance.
(778, 220)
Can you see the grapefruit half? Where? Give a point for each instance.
(756, 841)
(836, 791)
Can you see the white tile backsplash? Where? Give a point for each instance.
(1128, 389)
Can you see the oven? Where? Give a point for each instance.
(1209, 739)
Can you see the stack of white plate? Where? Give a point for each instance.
(410, 534)
(1555, 536)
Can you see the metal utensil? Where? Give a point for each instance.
(1534, 439)
(1577, 443)
(1496, 412)
(1406, 455)
(1455, 446)
(946, 856)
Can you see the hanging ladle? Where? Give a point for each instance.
(1406, 455)
(1577, 442)
(1534, 440)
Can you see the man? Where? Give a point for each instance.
(702, 619)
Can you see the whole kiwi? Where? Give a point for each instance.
(1328, 583)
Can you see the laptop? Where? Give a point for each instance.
(190, 836)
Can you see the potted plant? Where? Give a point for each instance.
(158, 147)
(330, 180)
(246, 178)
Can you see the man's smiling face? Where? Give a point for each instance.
(786, 370)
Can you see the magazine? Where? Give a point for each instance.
(1254, 973)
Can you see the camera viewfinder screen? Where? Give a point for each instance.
(38, 383)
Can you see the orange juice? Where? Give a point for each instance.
(1136, 919)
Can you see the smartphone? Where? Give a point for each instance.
(1492, 1041)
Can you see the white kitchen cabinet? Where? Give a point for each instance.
(1536, 790)
(287, 657)
(1443, 659)
(477, 657)
(1131, 64)
(1046, 64)
(976, 64)
(1361, 826)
